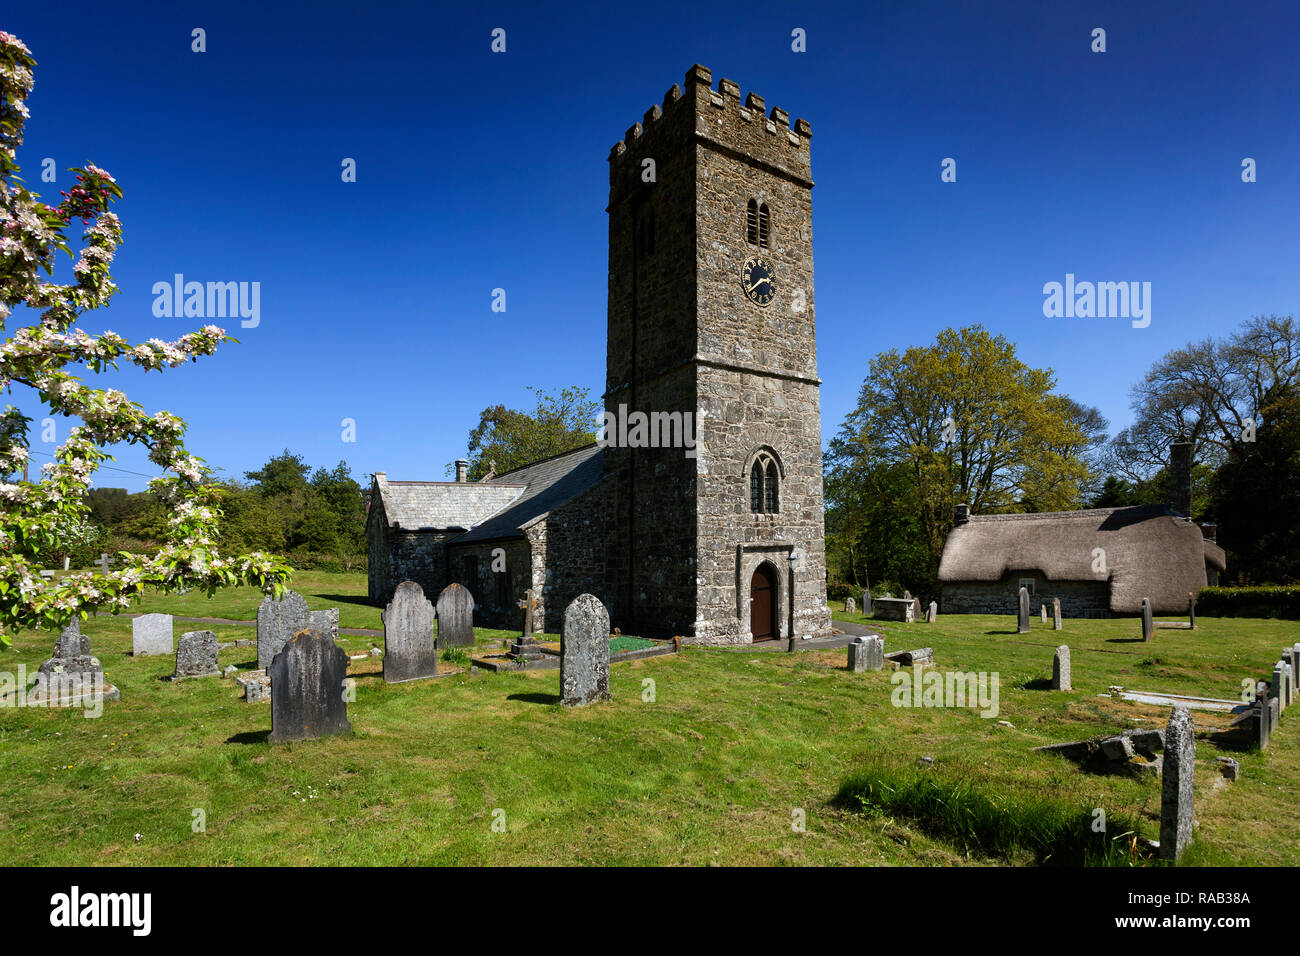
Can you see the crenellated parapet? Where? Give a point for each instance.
(718, 119)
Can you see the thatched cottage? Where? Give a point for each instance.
(1099, 562)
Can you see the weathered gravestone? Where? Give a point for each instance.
(894, 609)
(866, 602)
(1022, 619)
(71, 642)
(867, 654)
(455, 617)
(277, 622)
(1042, 610)
(151, 634)
(410, 651)
(1277, 687)
(584, 652)
(196, 655)
(1176, 785)
(326, 620)
(907, 595)
(850, 606)
(916, 609)
(1262, 725)
(1191, 608)
(932, 614)
(308, 698)
(1148, 625)
(1056, 613)
(1061, 669)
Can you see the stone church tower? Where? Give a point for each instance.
(711, 317)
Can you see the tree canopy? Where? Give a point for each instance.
(506, 438)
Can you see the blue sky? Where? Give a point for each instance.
(478, 170)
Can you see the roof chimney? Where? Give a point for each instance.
(1180, 478)
(1210, 531)
(960, 514)
(462, 469)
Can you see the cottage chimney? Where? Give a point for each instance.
(1210, 532)
(462, 470)
(960, 514)
(1180, 478)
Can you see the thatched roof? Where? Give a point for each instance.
(1149, 552)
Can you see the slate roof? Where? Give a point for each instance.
(498, 508)
(442, 505)
(1150, 552)
(550, 483)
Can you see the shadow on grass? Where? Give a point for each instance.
(1037, 683)
(347, 599)
(1125, 640)
(536, 698)
(250, 737)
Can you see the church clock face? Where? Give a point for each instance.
(758, 280)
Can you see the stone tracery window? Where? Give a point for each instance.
(764, 485)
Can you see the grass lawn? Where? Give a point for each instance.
(712, 770)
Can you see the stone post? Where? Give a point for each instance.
(1176, 780)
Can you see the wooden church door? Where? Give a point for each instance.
(762, 604)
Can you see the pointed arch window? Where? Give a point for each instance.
(764, 485)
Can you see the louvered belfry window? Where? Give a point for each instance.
(763, 225)
(751, 223)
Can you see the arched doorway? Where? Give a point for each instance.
(762, 603)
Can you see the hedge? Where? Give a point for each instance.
(1275, 602)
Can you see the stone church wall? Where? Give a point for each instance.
(497, 593)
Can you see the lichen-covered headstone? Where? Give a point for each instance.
(1061, 669)
(850, 606)
(866, 602)
(152, 634)
(308, 698)
(71, 642)
(932, 614)
(1176, 785)
(1056, 613)
(277, 621)
(326, 621)
(916, 609)
(455, 617)
(867, 654)
(1022, 619)
(409, 646)
(196, 655)
(1148, 625)
(584, 652)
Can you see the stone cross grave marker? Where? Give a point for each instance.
(1176, 785)
(1148, 625)
(277, 622)
(71, 642)
(196, 655)
(410, 651)
(1056, 613)
(584, 652)
(151, 634)
(1061, 669)
(104, 561)
(850, 606)
(308, 697)
(1022, 620)
(867, 654)
(526, 648)
(455, 617)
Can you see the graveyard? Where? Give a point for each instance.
(707, 756)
